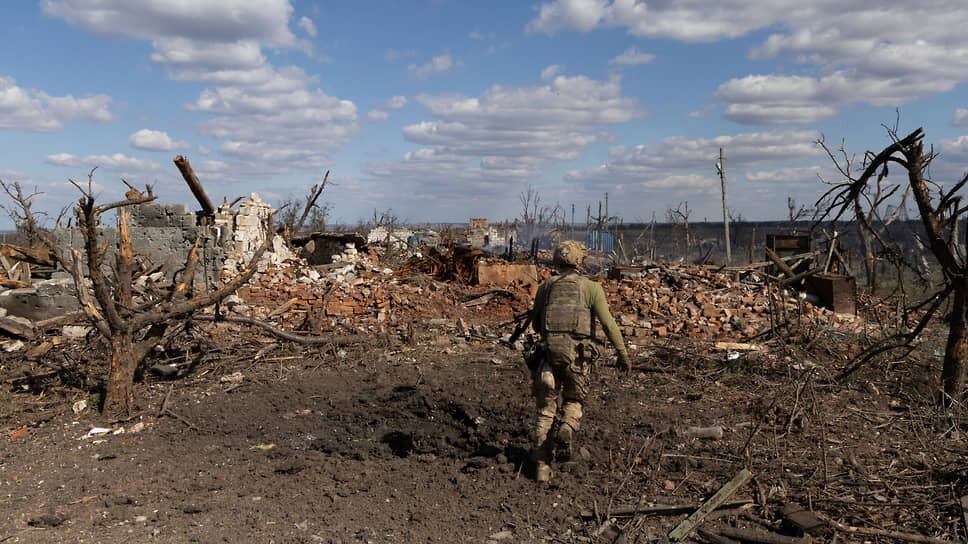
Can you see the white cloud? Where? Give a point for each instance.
(117, 161)
(212, 166)
(307, 25)
(961, 118)
(271, 119)
(153, 140)
(949, 166)
(212, 21)
(375, 116)
(437, 65)
(787, 176)
(955, 148)
(631, 57)
(843, 47)
(36, 111)
(204, 150)
(550, 72)
(758, 100)
(475, 35)
(505, 135)
(582, 15)
(677, 155)
(690, 20)
(186, 54)
(397, 102)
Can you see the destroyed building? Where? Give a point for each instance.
(481, 234)
(163, 235)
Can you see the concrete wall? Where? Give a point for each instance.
(161, 234)
(168, 246)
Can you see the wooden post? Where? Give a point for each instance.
(192, 180)
(722, 182)
(752, 244)
(606, 212)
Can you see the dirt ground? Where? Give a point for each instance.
(426, 441)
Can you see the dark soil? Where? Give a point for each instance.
(428, 442)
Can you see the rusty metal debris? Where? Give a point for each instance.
(458, 264)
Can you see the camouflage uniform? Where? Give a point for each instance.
(563, 313)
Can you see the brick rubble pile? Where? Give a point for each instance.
(354, 294)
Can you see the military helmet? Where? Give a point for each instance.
(570, 253)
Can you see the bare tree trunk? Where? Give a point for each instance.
(126, 355)
(956, 349)
(865, 237)
(119, 397)
(870, 262)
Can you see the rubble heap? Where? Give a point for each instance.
(689, 301)
(697, 302)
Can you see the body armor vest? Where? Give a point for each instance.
(566, 311)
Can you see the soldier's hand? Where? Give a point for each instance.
(624, 362)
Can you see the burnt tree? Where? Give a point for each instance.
(131, 328)
(940, 212)
(132, 319)
(869, 205)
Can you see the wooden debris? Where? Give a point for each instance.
(40, 256)
(335, 340)
(715, 538)
(456, 264)
(717, 500)
(196, 186)
(964, 510)
(881, 532)
(282, 308)
(662, 509)
(737, 346)
(486, 297)
(783, 266)
(16, 328)
(762, 537)
(804, 520)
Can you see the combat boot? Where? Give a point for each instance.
(542, 472)
(564, 440)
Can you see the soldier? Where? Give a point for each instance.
(562, 315)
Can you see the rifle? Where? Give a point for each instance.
(521, 321)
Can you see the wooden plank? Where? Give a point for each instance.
(693, 521)
(7, 266)
(785, 268)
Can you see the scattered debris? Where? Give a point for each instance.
(95, 431)
(689, 524)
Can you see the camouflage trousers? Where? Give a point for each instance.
(560, 381)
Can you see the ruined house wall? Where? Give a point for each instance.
(159, 245)
(165, 233)
(162, 234)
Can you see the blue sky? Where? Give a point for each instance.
(442, 110)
